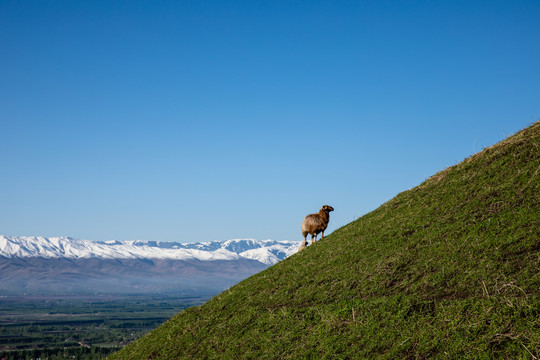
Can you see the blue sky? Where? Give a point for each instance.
(209, 120)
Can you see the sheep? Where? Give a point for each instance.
(314, 224)
(302, 246)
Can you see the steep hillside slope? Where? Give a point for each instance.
(449, 269)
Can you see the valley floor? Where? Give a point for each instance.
(84, 327)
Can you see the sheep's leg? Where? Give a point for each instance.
(322, 235)
(313, 238)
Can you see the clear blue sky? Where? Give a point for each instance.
(209, 120)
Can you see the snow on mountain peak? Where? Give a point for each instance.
(267, 252)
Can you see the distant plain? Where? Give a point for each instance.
(83, 326)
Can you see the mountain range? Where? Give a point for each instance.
(41, 265)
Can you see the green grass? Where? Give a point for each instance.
(447, 270)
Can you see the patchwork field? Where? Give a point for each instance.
(58, 327)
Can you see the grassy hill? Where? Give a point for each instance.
(449, 269)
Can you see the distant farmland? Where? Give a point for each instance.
(58, 327)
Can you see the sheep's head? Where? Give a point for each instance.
(327, 208)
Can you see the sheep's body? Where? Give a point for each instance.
(314, 224)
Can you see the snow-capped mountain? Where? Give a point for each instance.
(63, 265)
(267, 252)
